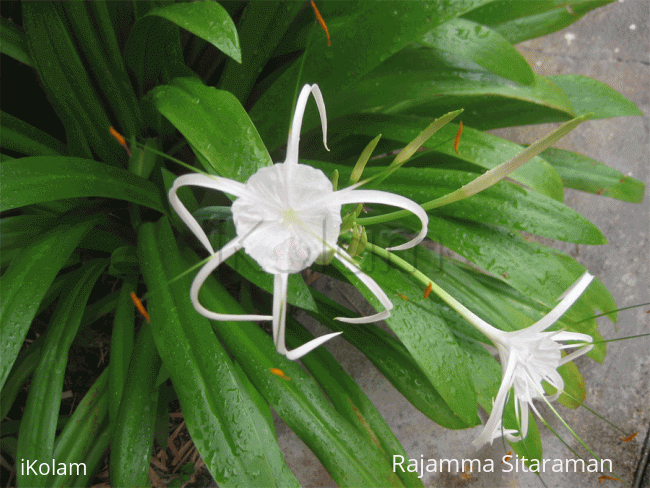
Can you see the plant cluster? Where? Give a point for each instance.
(91, 230)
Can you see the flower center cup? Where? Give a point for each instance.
(289, 216)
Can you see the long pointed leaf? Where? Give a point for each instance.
(226, 426)
(38, 426)
(26, 282)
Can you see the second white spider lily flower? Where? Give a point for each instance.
(286, 216)
(528, 357)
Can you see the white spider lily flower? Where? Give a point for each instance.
(528, 357)
(286, 216)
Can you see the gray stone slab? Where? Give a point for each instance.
(611, 44)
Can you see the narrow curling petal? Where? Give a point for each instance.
(222, 184)
(280, 285)
(371, 284)
(375, 196)
(219, 257)
(296, 124)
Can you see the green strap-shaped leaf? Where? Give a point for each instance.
(112, 78)
(504, 204)
(93, 458)
(68, 84)
(481, 45)
(13, 42)
(81, 432)
(18, 231)
(24, 138)
(431, 82)
(27, 181)
(23, 368)
(475, 147)
(377, 30)
(536, 271)
(592, 96)
(216, 125)
(518, 21)
(261, 27)
(153, 51)
(122, 340)
(392, 359)
(586, 174)
(39, 422)
(349, 399)
(427, 337)
(208, 20)
(26, 282)
(226, 426)
(133, 431)
(344, 452)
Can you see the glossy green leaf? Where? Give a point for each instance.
(504, 204)
(337, 68)
(13, 42)
(260, 28)
(208, 20)
(24, 138)
(19, 230)
(345, 453)
(536, 271)
(226, 426)
(82, 430)
(124, 262)
(93, 459)
(122, 339)
(26, 181)
(67, 83)
(349, 399)
(392, 359)
(475, 147)
(428, 82)
(133, 430)
(153, 51)
(481, 45)
(427, 337)
(518, 21)
(27, 280)
(38, 426)
(592, 96)
(22, 369)
(216, 125)
(113, 79)
(586, 174)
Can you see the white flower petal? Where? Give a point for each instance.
(293, 232)
(216, 183)
(385, 198)
(300, 351)
(568, 298)
(493, 425)
(296, 124)
(220, 256)
(371, 284)
(280, 284)
(530, 356)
